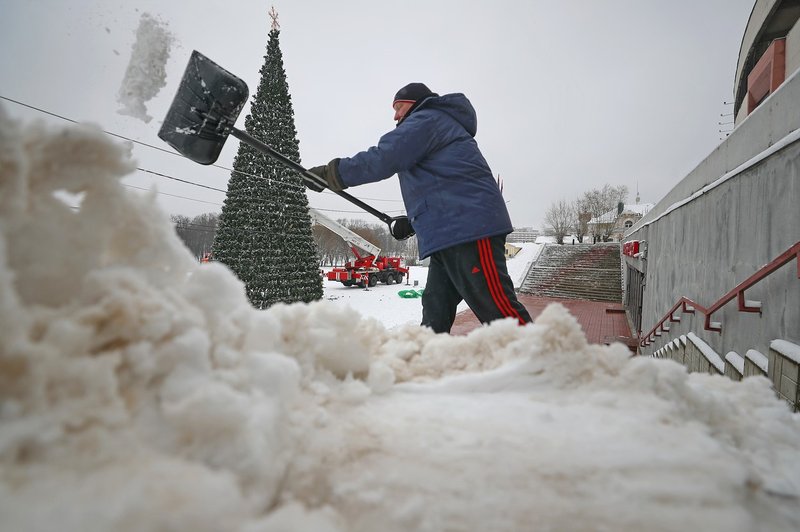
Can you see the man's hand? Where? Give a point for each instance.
(401, 228)
(329, 173)
(313, 184)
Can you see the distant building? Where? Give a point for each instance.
(614, 223)
(523, 234)
(511, 250)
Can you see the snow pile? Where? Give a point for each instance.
(147, 69)
(140, 391)
(569, 437)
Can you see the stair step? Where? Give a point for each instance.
(584, 271)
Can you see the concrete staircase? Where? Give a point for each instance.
(583, 271)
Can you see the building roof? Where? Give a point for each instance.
(638, 208)
(611, 216)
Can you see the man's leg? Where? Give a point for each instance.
(478, 272)
(504, 297)
(440, 298)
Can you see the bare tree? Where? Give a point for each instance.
(602, 205)
(196, 233)
(580, 217)
(369, 232)
(411, 251)
(331, 249)
(559, 219)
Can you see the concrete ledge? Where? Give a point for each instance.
(680, 348)
(784, 371)
(755, 363)
(734, 366)
(704, 358)
(676, 350)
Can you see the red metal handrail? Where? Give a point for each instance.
(688, 306)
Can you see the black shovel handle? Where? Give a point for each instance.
(269, 150)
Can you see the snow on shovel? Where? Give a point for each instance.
(203, 114)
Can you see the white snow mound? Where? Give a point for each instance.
(139, 391)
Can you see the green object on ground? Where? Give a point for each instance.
(410, 294)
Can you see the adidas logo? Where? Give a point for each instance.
(475, 270)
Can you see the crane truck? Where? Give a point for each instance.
(369, 267)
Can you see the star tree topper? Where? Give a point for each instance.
(274, 16)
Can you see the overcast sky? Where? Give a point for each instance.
(570, 95)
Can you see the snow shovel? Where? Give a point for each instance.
(203, 114)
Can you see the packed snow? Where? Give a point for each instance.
(147, 69)
(141, 392)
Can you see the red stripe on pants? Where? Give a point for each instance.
(493, 280)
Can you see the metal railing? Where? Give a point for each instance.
(688, 306)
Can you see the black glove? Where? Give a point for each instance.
(313, 184)
(401, 228)
(330, 174)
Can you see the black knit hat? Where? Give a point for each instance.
(413, 92)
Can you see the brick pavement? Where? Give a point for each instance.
(602, 322)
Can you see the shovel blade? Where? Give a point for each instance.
(205, 108)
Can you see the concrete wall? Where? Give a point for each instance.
(770, 122)
(705, 247)
(784, 371)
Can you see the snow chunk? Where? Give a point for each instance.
(381, 377)
(129, 373)
(146, 73)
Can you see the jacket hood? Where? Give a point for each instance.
(457, 106)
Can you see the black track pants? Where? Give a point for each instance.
(476, 273)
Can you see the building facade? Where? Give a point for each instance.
(612, 225)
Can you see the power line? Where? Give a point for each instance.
(171, 195)
(50, 113)
(76, 122)
(183, 224)
(200, 228)
(220, 204)
(159, 174)
(137, 142)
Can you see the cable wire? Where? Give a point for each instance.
(231, 170)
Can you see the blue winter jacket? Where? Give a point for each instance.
(450, 194)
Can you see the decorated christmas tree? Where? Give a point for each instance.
(264, 232)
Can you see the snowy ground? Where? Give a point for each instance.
(383, 303)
